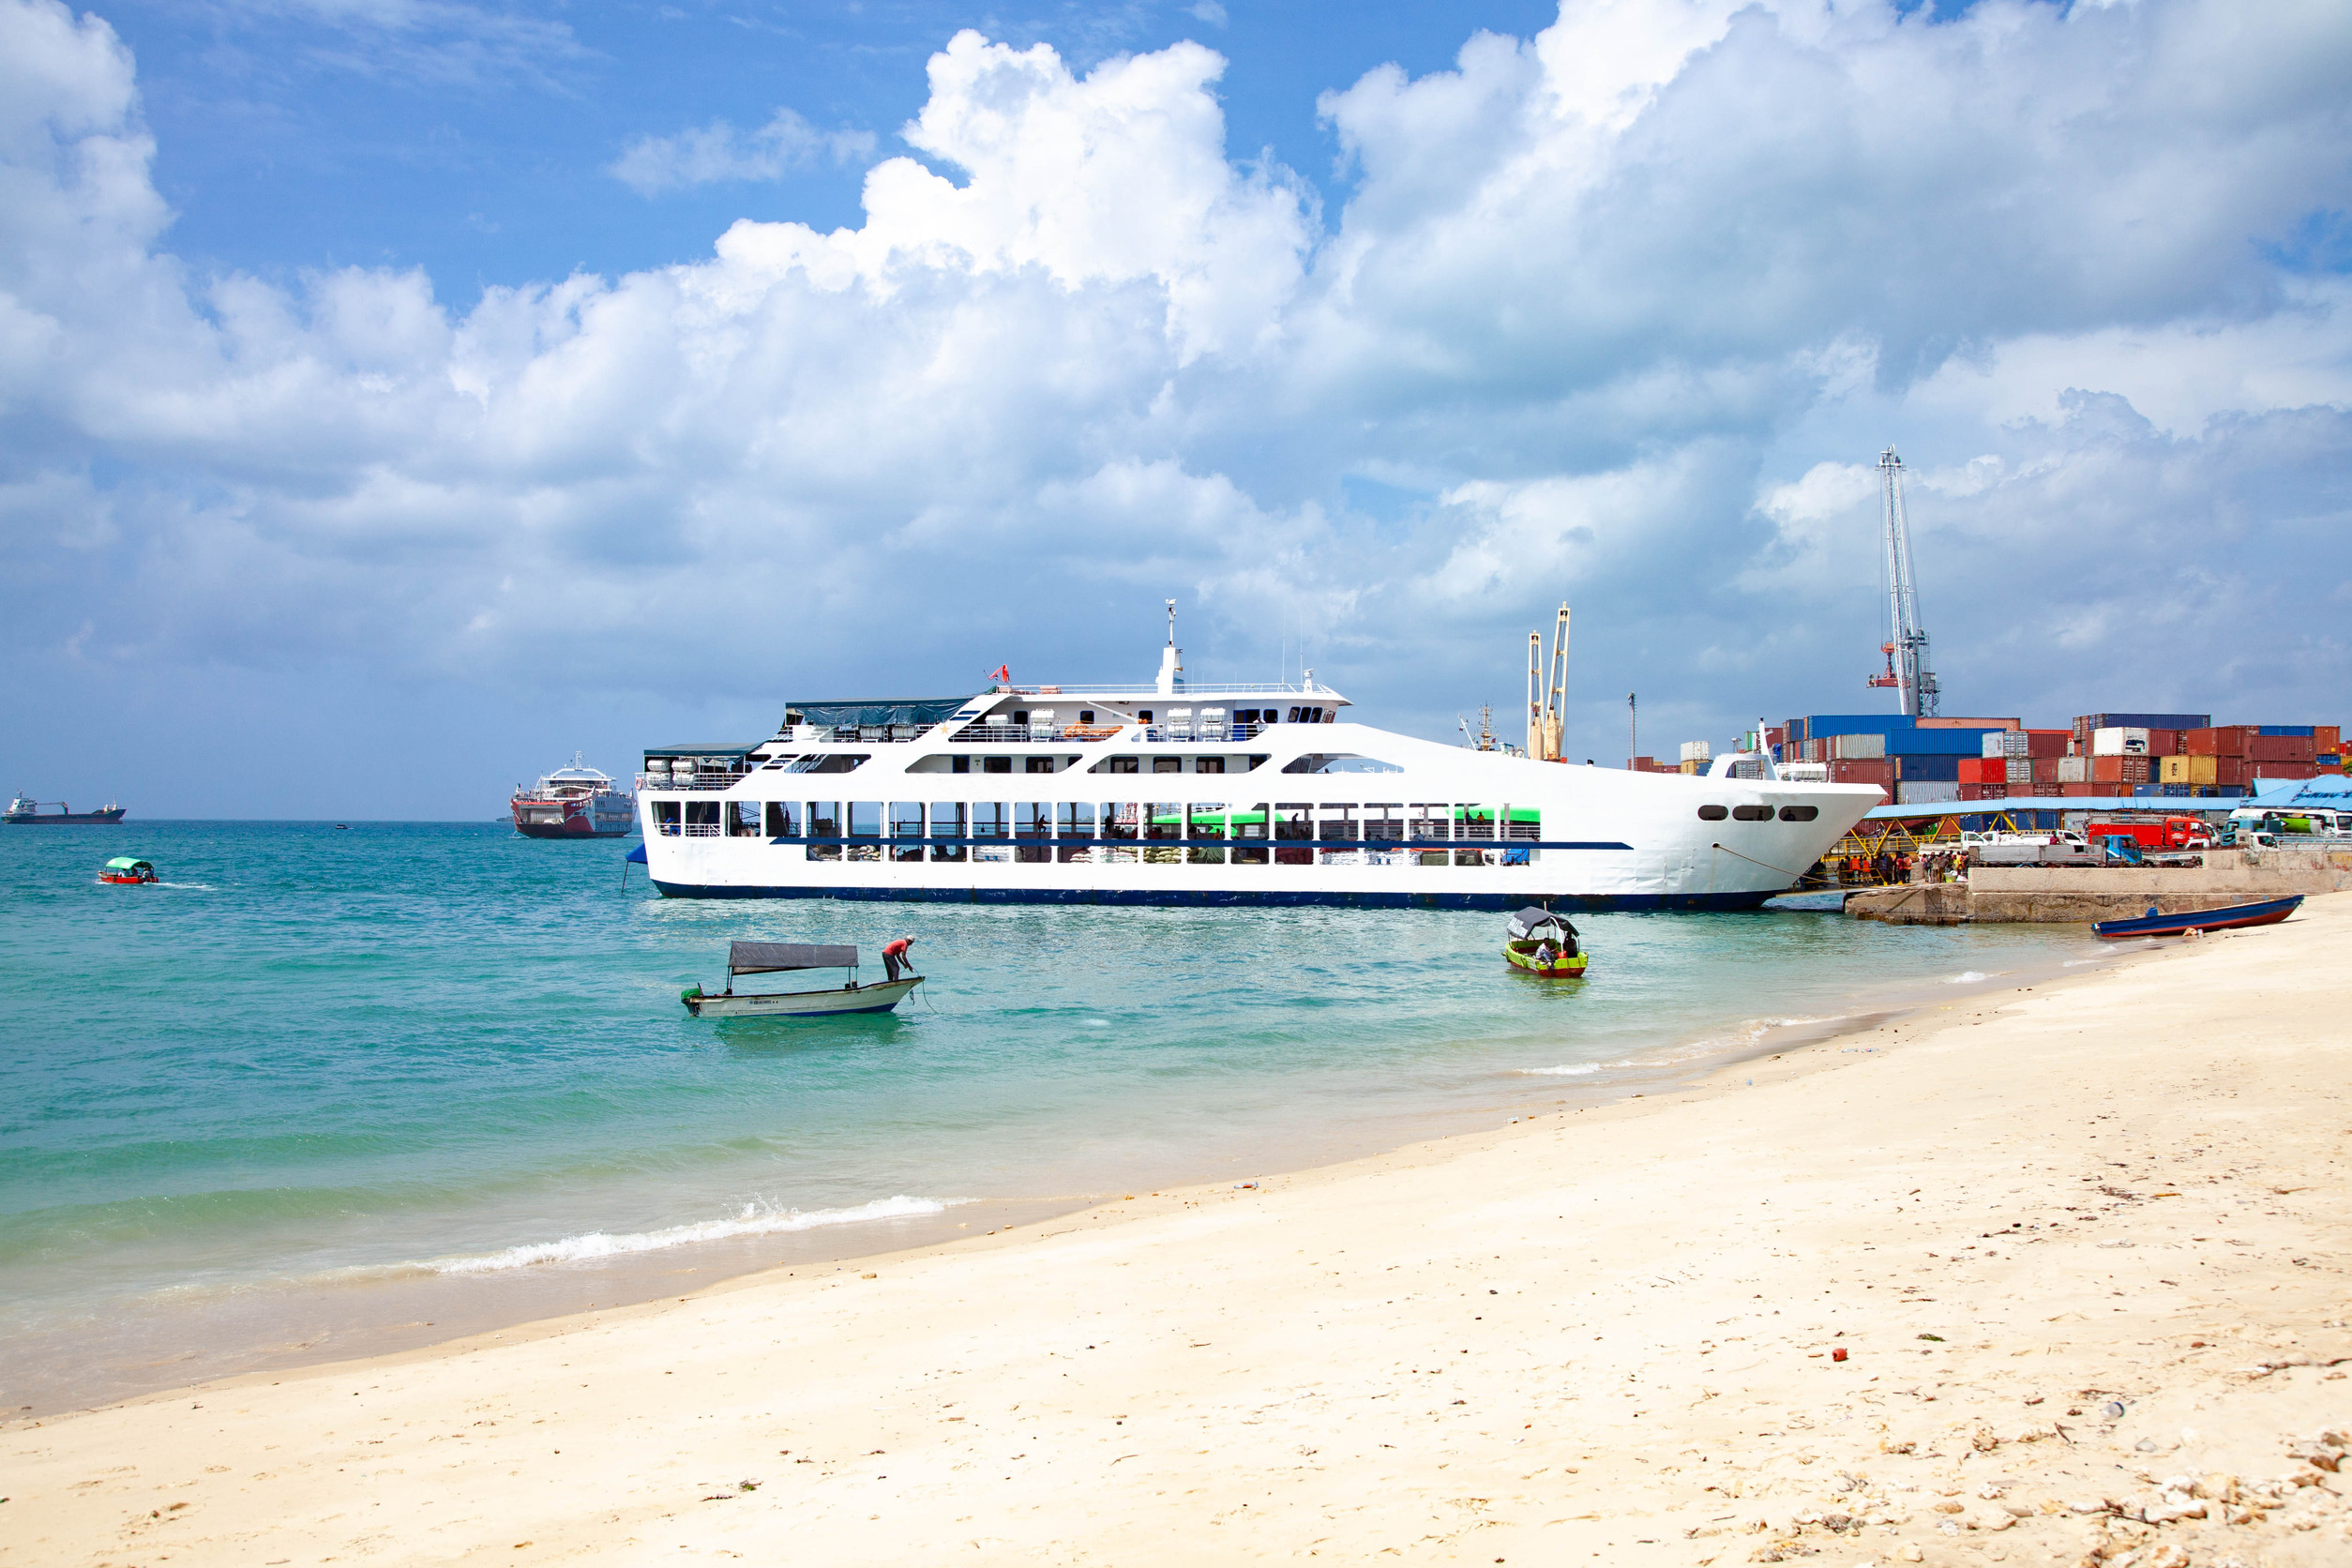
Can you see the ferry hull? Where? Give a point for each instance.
(1183, 897)
(573, 818)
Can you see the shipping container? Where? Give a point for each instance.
(1967, 724)
(2173, 769)
(1997, 742)
(2016, 770)
(2328, 737)
(1914, 769)
(2119, 770)
(2264, 747)
(1697, 751)
(2045, 769)
(2074, 770)
(2141, 721)
(1984, 791)
(2164, 743)
(2047, 743)
(1847, 748)
(1932, 792)
(2201, 770)
(1863, 770)
(2081, 792)
(2233, 773)
(2226, 740)
(2118, 743)
(2301, 731)
(2265, 772)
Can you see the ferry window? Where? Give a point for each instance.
(1383, 818)
(1478, 821)
(1165, 820)
(1168, 764)
(824, 819)
(996, 764)
(1118, 764)
(1431, 818)
(1335, 824)
(906, 819)
(1020, 717)
(1032, 818)
(1245, 716)
(1799, 813)
(1712, 813)
(1521, 821)
(839, 761)
(666, 818)
(743, 819)
(960, 764)
(1209, 764)
(1291, 820)
(948, 819)
(865, 819)
(1086, 715)
(1751, 813)
(1207, 821)
(1040, 764)
(1075, 819)
(702, 819)
(1251, 825)
(1143, 716)
(1119, 819)
(990, 820)
(784, 819)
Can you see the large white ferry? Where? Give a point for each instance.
(1171, 794)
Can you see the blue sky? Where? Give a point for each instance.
(399, 394)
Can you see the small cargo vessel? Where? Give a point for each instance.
(124, 870)
(576, 802)
(1545, 943)
(2267, 913)
(781, 958)
(26, 810)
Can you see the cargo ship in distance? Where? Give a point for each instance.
(574, 802)
(1264, 795)
(26, 810)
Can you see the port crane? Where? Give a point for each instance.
(1906, 670)
(1544, 695)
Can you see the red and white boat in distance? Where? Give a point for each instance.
(574, 802)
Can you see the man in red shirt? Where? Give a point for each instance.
(895, 957)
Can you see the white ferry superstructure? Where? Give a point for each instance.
(1173, 795)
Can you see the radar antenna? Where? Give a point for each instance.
(1905, 649)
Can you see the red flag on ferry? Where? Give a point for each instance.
(1004, 673)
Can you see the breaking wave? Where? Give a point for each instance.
(755, 1220)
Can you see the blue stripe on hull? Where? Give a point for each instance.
(1179, 897)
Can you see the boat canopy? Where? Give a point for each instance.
(1529, 920)
(872, 711)
(766, 957)
(124, 863)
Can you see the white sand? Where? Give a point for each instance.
(1602, 1337)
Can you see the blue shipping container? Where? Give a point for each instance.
(1915, 768)
(2283, 729)
(2150, 721)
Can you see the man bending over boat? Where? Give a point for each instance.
(895, 957)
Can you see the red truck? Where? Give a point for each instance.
(2173, 832)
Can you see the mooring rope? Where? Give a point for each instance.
(1766, 863)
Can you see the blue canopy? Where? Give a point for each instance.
(637, 855)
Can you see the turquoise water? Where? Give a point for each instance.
(443, 1050)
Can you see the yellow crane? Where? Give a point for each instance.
(1544, 695)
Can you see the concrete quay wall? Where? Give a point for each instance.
(2063, 894)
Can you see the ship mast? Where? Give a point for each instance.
(1905, 647)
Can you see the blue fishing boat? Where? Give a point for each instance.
(2269, 912)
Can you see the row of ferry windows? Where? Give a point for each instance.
(1757, 813)
(1345, 822)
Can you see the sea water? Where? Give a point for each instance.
(314, 1070)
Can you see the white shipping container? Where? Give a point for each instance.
(1996, 744)
(2074, 770)
(1929, 792)
(1805, 773)
(2016, 743)
(1848, 748)
(2021, 770)
(2118, 743)
(1696, 752)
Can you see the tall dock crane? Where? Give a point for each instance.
(1907, 668)
(1543, 701)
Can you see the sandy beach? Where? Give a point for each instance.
(2053, 1274)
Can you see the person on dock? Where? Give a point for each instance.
(895, 957)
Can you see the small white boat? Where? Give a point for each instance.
(778, 958)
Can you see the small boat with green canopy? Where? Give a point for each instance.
(785, 958)
(1545, 943)
(126, 870)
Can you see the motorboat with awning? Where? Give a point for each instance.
(1545, 943)
(788, 957)
(126, 869)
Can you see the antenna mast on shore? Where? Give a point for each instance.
(1907, 646)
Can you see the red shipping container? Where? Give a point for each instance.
(2328, 737)
(1983, 770)
(2164, 743)
(2233, 772)
(2279, 748)
(2119, 770)
(2284, 770)
(1984, 791)
(2047, 743)
(1863, 770)
(2077, 791)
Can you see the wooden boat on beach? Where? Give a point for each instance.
(2267, 913)
(779, 957)
(1544, 944)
